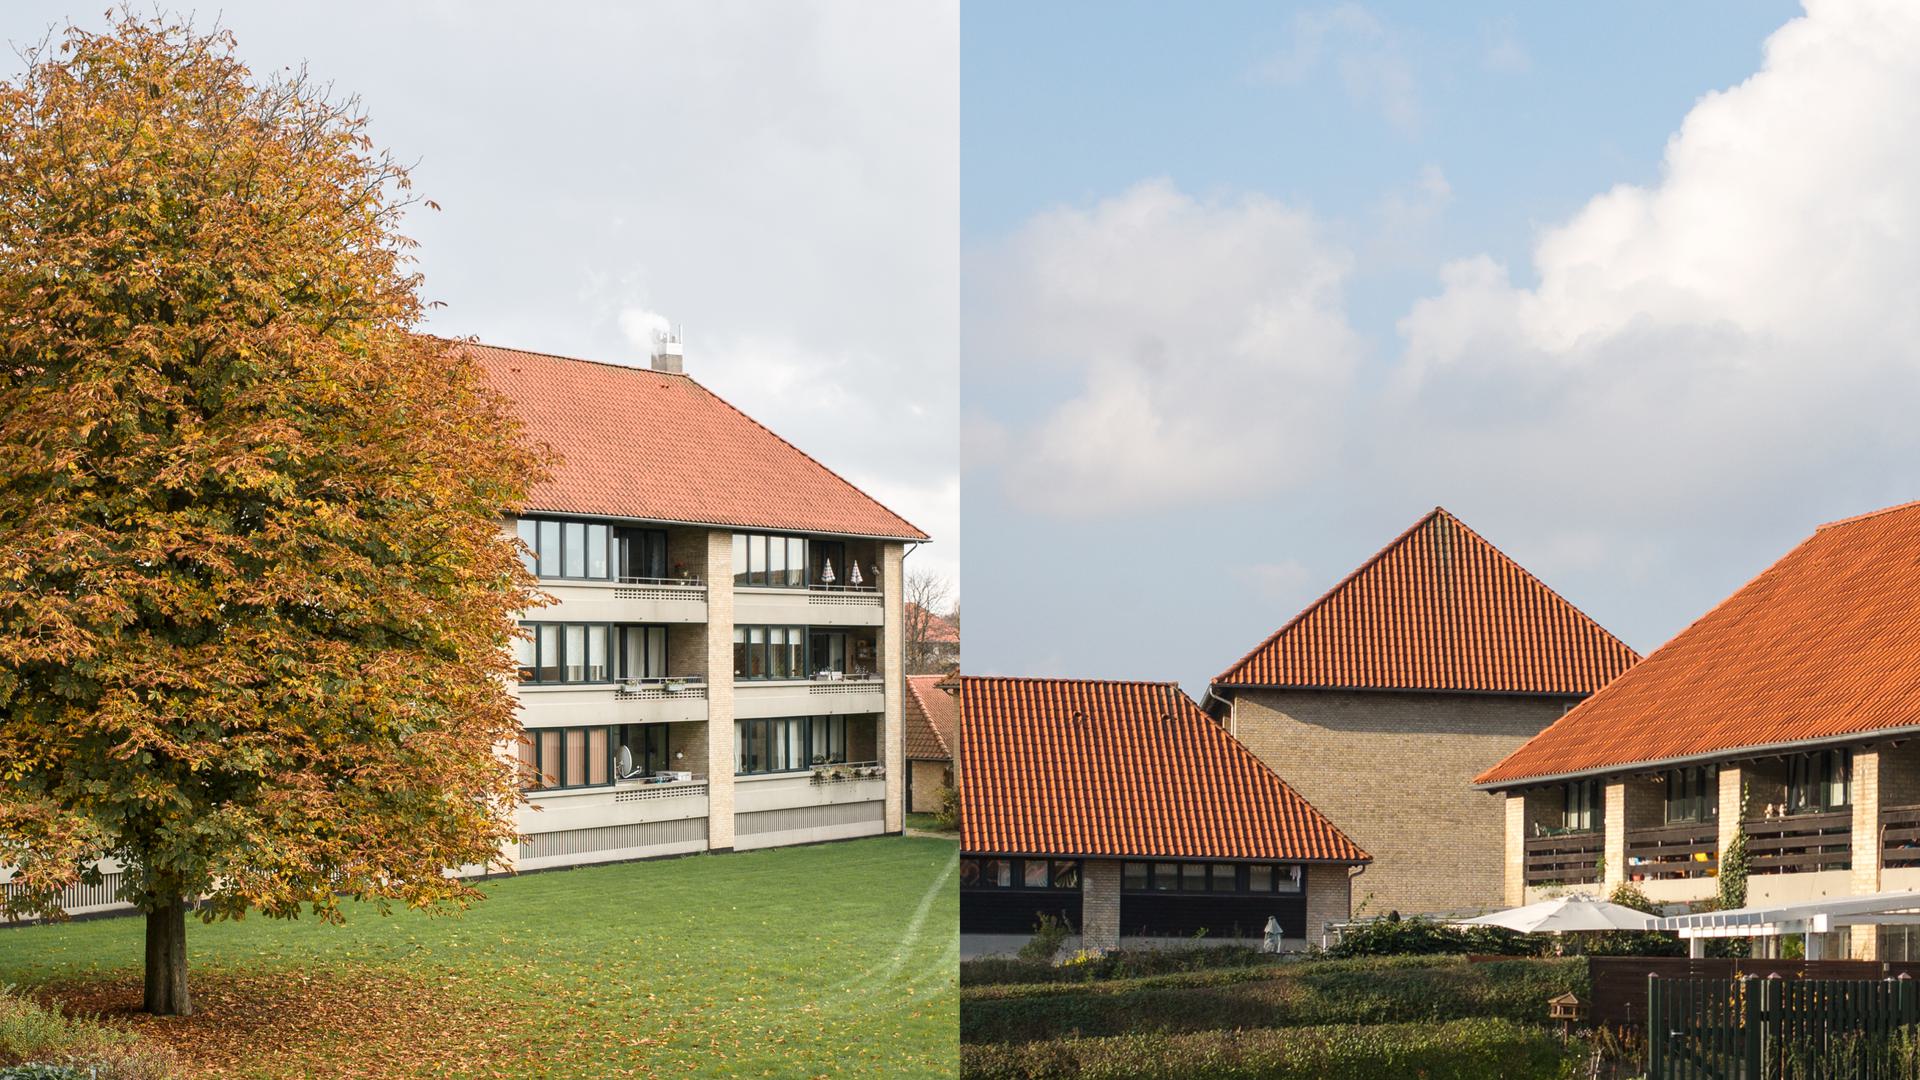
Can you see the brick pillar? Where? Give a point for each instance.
(1516, 869)
(1732, 796)
(1100, 905)
(1614, 868)
(719, 574)
(1329, 900)
(1866, 845)
(893, 632)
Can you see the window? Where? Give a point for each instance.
(823, 554)
(1693, 794)
(571, 757)
(788, 743)
(571, 652)
(570, 549)
(1820, 781)
(769, 561)
(769, 652)
(643, 652)
(639, 750)
(1019, 874)
(1583, 811)
(1224, 878)
(640, 554)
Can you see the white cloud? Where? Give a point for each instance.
(1747, 326)
(1284, 582)
(1205, 338)
(1363, 50)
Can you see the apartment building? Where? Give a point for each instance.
(1787, 713)
(720, 666)
(1382, 700)
(1122, 809)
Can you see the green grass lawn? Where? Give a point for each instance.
(928, 823)
(837, 959)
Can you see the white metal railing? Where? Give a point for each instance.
(848, 771)
(693, 686)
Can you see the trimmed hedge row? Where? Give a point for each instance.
(1458, 1050)
(1298, 995)
(1118, 964)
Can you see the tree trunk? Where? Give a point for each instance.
(167, 960)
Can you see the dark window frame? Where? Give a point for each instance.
(1169, 876)
(1582, 806)
(743, 656)
(1055, 871)
(1811, 776)
(1692, 795)
(759, 733)
(752, 573)
(535, 651)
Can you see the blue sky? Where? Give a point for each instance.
(1247, 289)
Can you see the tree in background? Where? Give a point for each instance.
(928, 646)
(255, 601)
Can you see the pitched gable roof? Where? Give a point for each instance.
(1082, 767)
(1439, 608)
(1823, 644)
(638, 443)
(931, 715)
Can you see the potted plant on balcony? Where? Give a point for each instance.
(673, 684)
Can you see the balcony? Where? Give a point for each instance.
(851, 695)
(1674, 852)
(1799, 843)
(815, 605)
(1565, 859)
(626, 600)
(1899, 837)
(631, 701)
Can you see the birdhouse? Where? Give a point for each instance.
(1567, 1009)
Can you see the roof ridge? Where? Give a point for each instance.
(1911, 505)
(649, 370)
(1071, 679)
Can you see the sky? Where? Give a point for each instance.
(779, 181)
(1631, 288)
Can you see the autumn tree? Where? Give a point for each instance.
(254, 595)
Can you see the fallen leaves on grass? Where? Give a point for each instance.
(296, 1023)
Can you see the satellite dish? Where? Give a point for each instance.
(626, 761)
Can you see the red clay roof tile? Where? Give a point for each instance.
(931, 714)
(1080, 767)
(1823, 644)
(1439, 608)
(637, 443)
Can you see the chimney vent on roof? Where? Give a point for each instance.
(666, 353)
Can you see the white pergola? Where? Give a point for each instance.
(1811, 917)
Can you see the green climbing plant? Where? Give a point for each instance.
(1733, 883)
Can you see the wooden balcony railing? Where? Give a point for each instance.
(1688, 850)
(1899, 836)
(1567, 859)
(1799, 844)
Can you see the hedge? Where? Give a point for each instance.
(1293, 996)
(1118, 964)
(1458, 1050)
(37, 1042)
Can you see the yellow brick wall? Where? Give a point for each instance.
(1394, 772)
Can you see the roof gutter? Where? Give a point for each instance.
(1709, 756)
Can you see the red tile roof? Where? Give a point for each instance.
(1439, 608)
(1823, 644)
(931, 714)
(637, 443)
(1079, 767)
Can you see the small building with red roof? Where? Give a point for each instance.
(1386, 697)
(1786, 714)
(932, 730)
(1123, 809)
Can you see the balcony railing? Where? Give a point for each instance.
(1566, 859)
(1799, 843)
(647, 588)
(1688, 850)
(1899, 836)
(691, 686)
(848, 771)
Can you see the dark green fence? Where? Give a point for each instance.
(1752, 1028)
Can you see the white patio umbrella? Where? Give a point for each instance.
(1565, 914)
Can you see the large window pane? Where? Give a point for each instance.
(1223, 878)
(1135, 877)
(656, 652)
(576, 757)
(757, 560)
(549, 653)
(797, 651)
(573, 549)
(597, 654)
(756, 652)
(597, 755)
(551, 761)
(739, 652)
(549, 549)
(576, 653)
(1033, 873)
(529, 531)
(777, 652)
(1066, 875)
(1290, 878)
(741, 762)
(1260, 878)
(739, 559)
(526, 654)
(1193, 877)
(796, 561)
(796, 755)
(596, 551)
(776, 561)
